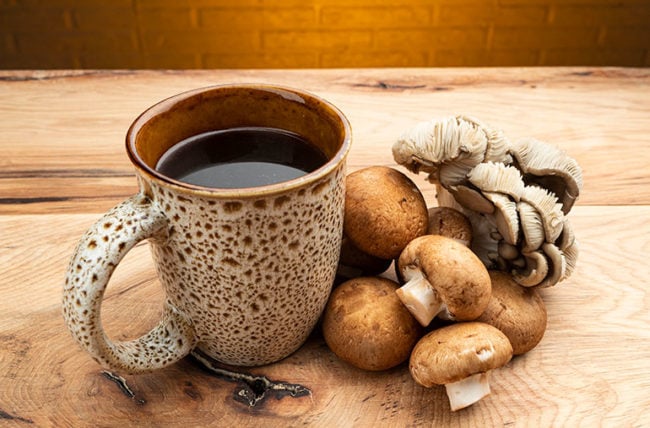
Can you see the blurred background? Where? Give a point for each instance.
(174, 34)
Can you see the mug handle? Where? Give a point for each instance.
(97, 255)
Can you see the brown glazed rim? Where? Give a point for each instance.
(276, 188)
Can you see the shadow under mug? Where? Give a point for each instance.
(246, 272)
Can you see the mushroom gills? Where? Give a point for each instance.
(467, 391)
(531, 226)
(497, 178)
(571, 257)
(550, 211)
(419, 297)
(505, 215)
(549, 167)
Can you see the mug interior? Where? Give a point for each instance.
(233, 106)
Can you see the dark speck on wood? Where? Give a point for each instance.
(124, 387)
(22, 201)
(192, 392)
(10, 417)
(392, 86)
(62, 75)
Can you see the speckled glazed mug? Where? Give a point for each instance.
(246, 272)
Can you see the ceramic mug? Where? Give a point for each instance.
(246, 272)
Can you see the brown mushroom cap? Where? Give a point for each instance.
(451, 223)
(384, 211)
(456, 276)
(457, 351)
(366, 325)
(517, 311)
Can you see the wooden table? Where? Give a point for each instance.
(63, 163)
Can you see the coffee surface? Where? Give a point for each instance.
(241, 157)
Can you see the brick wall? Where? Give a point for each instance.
(321, 33)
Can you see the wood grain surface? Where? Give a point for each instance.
(62, 164)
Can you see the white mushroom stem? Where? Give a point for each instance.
(419, 297)
(467, 391)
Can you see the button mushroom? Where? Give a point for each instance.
(518, 312)
(460, 356)
(516, 195)
(443, 277)
(384, 211)
(366, 325)
(449, 222)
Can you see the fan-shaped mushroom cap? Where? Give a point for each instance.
(568, 244)
(550, 168)
(444, 276)
(532, 227)
(471, 199)
(571, 257)
(518, 312)
(505, 215)
(497, 178)
(550, 211)
(384, 211)
(460, 356)
(450, 146)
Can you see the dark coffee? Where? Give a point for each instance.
(241, 157)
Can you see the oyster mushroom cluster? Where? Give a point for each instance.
(517, 195)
